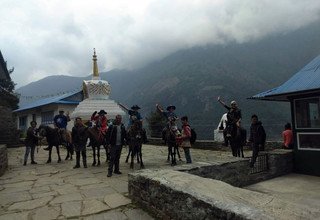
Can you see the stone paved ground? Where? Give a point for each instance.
(57, 191)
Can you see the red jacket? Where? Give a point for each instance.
(101, 122)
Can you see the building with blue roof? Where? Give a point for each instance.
(302, 90)
(43, 110)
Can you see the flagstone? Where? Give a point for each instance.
(112, 214)
(15, 216)
(97, 193)
(18, 184)
(115, 200)
(93, 206)
(46, 213)
(85, 181)
(9, 198)
(67, 198)
(67, 189)
(71, 209)
(31, 204)
(134, 214)
(44, 194)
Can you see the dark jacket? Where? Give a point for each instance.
(233, 115)
(79, 137)
(257, 133)
(111, 136)
(32, 138)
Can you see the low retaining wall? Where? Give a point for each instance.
(237, 173)
(169, 194)
(212, 145)
(3, 159)
(202, 191)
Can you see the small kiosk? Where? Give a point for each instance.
(303, 92)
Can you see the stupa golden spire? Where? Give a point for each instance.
(95, 65)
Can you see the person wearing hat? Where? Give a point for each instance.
(100, 121)
(134, 114)
(233, 117)
(60, 122)
(169, 114)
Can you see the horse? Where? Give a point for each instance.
(136, 135)
(53, 139)
(170, 133)
(96, 140)
(69, 145)
(237, 140)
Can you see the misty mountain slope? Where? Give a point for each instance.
(193, 78)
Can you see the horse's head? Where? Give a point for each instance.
(42, 130)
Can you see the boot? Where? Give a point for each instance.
(85, 164)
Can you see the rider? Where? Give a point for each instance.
(169, 114)
(233, 117)
(172, 128)
(134, 114)
(100, 121)
(60, 122)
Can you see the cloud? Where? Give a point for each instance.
(41, 38)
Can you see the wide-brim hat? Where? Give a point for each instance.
(61, 110)
(171, 106)
(102, 112)
(135, 107)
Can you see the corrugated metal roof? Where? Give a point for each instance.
(307, 79)
(51, 100)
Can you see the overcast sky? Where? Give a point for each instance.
(48, 37)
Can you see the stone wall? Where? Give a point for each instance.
(8, 127)
(237, 173)
(202, 191)
(3, 159)
(169, 194)
(212, 145)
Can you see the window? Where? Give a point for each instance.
(47, 117)
(307, 113)
(23, 123)
(308, 141)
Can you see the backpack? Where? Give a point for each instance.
(193, 137)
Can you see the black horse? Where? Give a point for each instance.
(237, 140)
(136, 136)
(170, 133)
(53, 139)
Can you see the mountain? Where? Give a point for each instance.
(192, 79)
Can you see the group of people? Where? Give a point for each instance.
(115, 134)
(235, 134)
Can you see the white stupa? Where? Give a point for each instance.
(96, 97)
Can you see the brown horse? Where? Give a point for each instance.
(69, 144)
(53, 139)
(96, 140)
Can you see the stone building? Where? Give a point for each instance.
(302, 90)
(8, 102)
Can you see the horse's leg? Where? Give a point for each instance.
(94, 155)
(174, 160)
(241, 149)
(132, 156)
(68, 150)
(130, 151)
(140, 155)
(178, 154)
(58, 152)
(98, 155)
(169, 153)
(50, 151)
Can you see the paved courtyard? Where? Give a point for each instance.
(57, 191)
